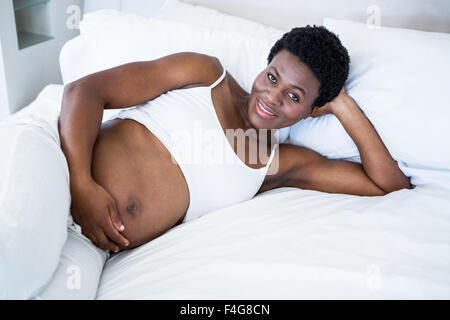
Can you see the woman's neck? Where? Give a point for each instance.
(242, 111)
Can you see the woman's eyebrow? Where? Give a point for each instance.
(278, 75)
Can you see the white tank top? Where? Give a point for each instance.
(186, 123)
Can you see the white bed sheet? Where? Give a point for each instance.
(287, 243)
(297, 244)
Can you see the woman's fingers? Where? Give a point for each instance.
(105, 243)
(114, 235)
(317, 112)
(115, 217)
(91, 237)
(99, 238)
(99, 241)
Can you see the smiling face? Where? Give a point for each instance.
(283, 93)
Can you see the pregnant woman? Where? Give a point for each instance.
(190, 140)
(128, 182)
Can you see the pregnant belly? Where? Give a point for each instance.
(137, 170)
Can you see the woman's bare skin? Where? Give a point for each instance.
(136, 169)
(122, 174)
(131, 163)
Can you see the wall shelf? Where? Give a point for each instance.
(27, 39)
(23, 4)
(33, 22)
(31, 38)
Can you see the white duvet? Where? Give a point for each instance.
(288, 243)
(297, 244)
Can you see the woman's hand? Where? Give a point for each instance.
(376, 161)
(95, 210)
(332, 107)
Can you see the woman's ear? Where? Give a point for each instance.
(311, 112)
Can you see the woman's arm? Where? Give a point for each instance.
(304, 168)
(84, 100)
(121, 87)
(376, 160)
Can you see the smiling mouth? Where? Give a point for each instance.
(264, 111)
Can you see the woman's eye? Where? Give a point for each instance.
(273, 80)
(295, 98)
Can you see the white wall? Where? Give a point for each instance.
(428, 15)
(4, 109)
(25, 72)
(146, 8)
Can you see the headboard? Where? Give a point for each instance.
(430, 15)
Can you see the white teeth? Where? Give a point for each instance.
(265, 109)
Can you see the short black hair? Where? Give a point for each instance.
(322, 51)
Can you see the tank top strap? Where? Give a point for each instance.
(219, 80)
(272, 155)
(275, 146)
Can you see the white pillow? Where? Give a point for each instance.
(34, 197)
(399, 78)
(175, 10)
(109, 38)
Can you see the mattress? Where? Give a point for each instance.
(287, 243)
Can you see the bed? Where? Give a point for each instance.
(286, 243)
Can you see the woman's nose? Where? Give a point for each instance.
(272, 97)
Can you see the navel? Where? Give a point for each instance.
(133, 206)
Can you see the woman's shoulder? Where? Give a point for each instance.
(212, 70)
